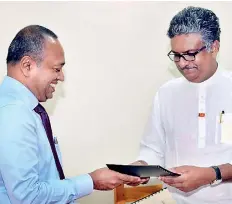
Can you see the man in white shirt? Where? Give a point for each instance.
(184, 132)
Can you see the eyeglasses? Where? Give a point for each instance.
(188, 56)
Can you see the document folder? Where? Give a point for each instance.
(142, 171)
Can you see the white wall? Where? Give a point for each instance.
(116, 60)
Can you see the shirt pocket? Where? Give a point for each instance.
(224, 128)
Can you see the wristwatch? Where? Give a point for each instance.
(218, 176)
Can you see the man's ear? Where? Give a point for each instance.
(215, 48)
(26, 65)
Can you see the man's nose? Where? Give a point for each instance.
(61, 76)
(182, 63)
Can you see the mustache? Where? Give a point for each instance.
(188, 67)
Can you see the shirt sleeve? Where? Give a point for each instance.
(153, 141)
(19, 166)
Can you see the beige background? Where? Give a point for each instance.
(116, 60)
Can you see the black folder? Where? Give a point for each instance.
(142, 171)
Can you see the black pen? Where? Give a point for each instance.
(223, 112)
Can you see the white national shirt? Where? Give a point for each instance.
(176, 135)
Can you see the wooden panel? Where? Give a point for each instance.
(130, 194)
(119, 197)
(136, 193)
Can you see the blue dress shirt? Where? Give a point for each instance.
(28, 173)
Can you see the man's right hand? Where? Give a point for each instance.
(106, 179)
(143, 180)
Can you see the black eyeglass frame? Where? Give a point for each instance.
(179, 55)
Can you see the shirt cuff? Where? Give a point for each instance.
(84, 185)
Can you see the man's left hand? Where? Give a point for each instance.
(191, 177)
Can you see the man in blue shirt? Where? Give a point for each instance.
(28, 171)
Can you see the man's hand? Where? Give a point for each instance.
(106, 179)
(143, 180)
(191, 178)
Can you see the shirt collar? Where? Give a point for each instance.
(209, 81)
(11, 85)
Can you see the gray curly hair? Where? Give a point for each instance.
(196, 20)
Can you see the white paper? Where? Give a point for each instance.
(162, 197)
(226, 128)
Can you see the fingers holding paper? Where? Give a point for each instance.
(105, 179)
(191, 177)
(143, 180)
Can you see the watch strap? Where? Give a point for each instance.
(218, 172)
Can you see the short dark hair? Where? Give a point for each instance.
(196, 20)
(29, 41)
